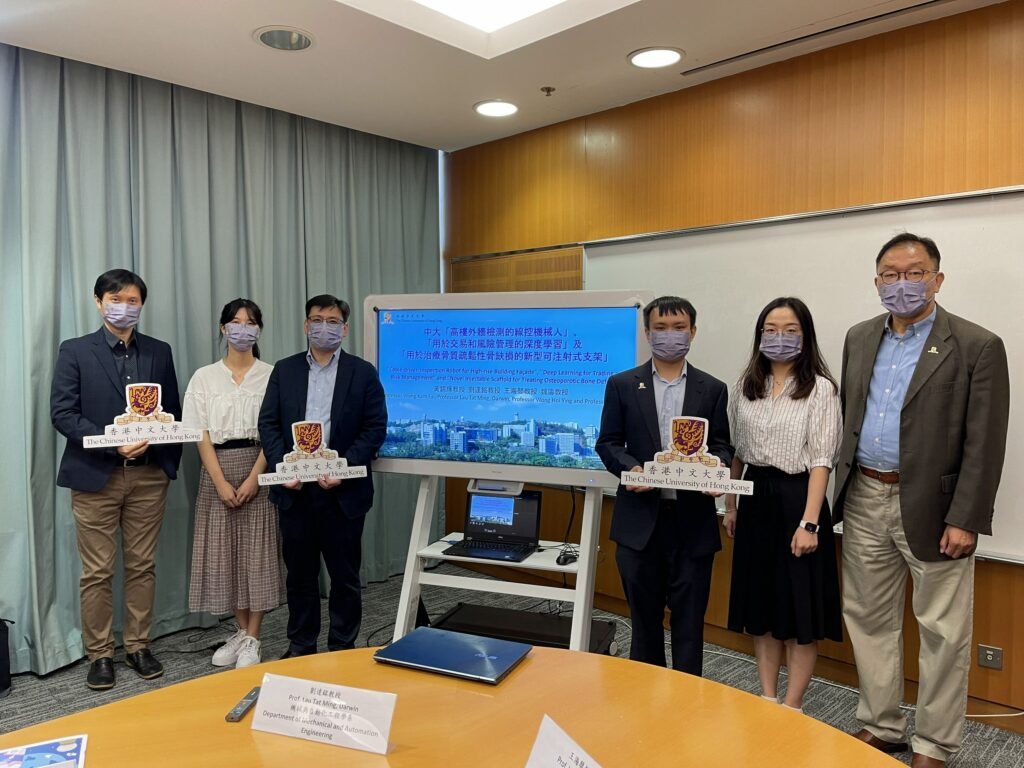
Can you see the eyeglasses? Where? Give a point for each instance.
(912, 275)
(771, 333)
(331, 321)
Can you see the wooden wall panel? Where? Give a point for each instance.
(555, 270)
(535, 187)
(932, 109)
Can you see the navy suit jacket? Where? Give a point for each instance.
(359, 421)
(630, 436)
(87, 394)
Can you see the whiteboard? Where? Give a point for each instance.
(730, 273)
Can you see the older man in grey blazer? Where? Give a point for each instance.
(926, 400)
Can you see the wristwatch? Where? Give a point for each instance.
(808, 526)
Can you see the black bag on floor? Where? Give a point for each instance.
(5, 659)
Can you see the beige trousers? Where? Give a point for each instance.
(132, 500)
(876, 559)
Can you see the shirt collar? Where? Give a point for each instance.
(314, 364)
(682, 374)
(921, 327)
(113, 341)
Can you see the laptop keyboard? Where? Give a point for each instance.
(490, 546)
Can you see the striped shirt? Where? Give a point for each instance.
(792, 435)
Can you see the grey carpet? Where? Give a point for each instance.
(185, 655)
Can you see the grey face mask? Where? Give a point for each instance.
(781, 347)
(241, 336)
(122, 315)
(670, 345)
(325, 336)
(904, 298)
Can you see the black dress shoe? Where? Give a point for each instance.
(101, 674)
(291, 653)
(144, 663)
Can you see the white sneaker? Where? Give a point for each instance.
(227, 654)
(249, 653)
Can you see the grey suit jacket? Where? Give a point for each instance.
(952, 427)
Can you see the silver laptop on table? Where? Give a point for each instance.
(470, 657)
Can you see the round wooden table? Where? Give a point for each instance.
(622, 713)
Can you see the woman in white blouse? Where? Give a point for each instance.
(786, 424)
(236, 565)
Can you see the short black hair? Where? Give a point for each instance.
(907, 237)
(327, 301)
(670, 305)
(113, 280)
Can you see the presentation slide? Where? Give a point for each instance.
(501, 386)
(493, 510)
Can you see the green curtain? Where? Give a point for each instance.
(208, 199)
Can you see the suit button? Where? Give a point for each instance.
(847, 465)
(856, 434)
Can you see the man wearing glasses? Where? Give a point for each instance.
(326, 517)
(926, 400)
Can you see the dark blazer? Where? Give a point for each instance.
(87, 394)
(359, 421)
(952, 427)
(630, 436)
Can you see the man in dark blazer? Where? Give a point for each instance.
(926, 401)
(666, 539)
(114, 488)
(326, 517)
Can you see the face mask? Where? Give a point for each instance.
(122, 315)
(781, 347)
(670, 345)
(241, 336)
(904, 298)
(325, 336)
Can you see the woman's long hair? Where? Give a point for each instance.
(807, 365)
(227, 315)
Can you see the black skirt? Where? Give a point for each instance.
(774, 592)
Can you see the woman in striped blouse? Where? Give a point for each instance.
(786, 424)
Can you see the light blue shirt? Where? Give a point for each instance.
(320, 392)
(895, 363)
(668, 398)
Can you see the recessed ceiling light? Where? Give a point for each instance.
(492, 15)
(283, 38)
(495, 108)
(653, 58)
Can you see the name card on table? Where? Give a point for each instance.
(554, 748)
(144, 418)
(310, 459)
(687, 465)
(331, 714)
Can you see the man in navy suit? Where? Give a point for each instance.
(114, 488)
(326, 517)
(666, 540)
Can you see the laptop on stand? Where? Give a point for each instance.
(500, 527)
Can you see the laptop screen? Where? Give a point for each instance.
(513, 519)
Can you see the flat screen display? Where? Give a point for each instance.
(500, 386)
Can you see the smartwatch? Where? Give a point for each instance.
(808, 526)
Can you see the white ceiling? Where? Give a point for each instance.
(378, 76)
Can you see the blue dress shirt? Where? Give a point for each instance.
(320, 392)
(895, 363)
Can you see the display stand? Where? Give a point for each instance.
(421, 550)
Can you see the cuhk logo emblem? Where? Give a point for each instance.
(143, 404)
(308, 436)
